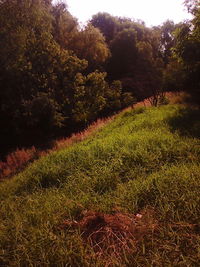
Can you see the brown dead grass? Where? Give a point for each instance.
(115, 238)
(17, 160)
(94, 127)
(172, 97)
(111, 236)
(178, 97)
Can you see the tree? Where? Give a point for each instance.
(89, 44)
(89, 96)
(113, 96)
(192, 6)
(65, 26)
(174, 76)
(34, 69)
(167, 40)
(107, 24)
(150, 65)
(136, 59)
(187, 50)
(42, 112)
(124, 54)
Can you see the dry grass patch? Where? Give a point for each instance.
(111, 236)
(17, 160)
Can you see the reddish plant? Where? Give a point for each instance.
(17, 160)
(65, 142)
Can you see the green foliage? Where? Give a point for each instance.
(167, 42)
(42, 112)
(36, 74)
(128, 99)
(89, 44)
(137, 53)
(174, 76)
(187, 50)
(107, 24)
(94, 96)
(143, 158)
(65, 26)
(113, 95)
(89, 96)
(124, 52)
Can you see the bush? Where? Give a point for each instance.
(17, 160)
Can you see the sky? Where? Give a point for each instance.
(152, 12)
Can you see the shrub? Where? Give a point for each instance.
(16, 160)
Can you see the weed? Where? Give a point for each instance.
(17, 160)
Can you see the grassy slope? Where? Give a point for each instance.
(144, 158)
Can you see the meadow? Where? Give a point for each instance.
(127, 195)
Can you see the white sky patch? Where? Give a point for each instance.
(152, 12)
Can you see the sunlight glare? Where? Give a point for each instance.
(152, 12)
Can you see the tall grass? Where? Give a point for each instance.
(145, 159)
(17, 160)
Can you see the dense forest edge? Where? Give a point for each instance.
(57, 78)
(19, 159)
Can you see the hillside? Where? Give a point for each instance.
(128, 195)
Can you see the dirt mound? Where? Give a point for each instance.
(115, 233)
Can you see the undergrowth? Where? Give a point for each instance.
(145, 161)
(17, 160)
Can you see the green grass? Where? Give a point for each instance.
(144, 158)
